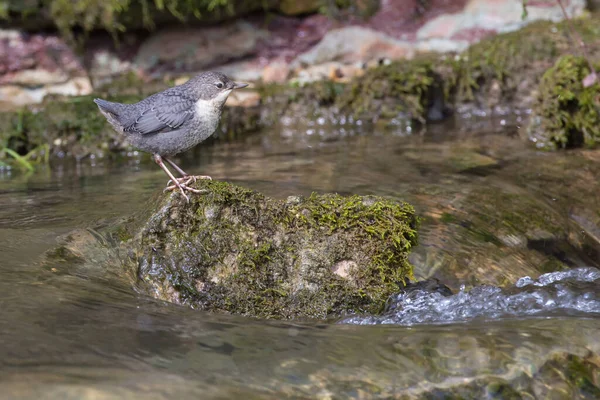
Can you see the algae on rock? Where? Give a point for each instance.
(566, 114)
(235, 250)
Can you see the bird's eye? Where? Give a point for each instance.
(219, 85)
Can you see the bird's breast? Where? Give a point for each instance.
(206, 110)
(207, 116)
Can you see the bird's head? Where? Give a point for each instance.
(213, 86)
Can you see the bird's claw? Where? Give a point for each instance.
(186, 180)
(183, 188)
(206, 177)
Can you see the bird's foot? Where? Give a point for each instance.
(188, 179)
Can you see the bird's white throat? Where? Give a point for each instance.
(208, 109)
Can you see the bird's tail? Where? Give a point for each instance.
(108, 106)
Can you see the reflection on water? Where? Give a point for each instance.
(82, 332)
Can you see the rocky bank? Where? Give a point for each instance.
(514, 72)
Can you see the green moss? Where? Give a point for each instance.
(505, 60)
(313, 99)
(390, 90)
(10, 8)
(133, 85)
(75, 19)
(123, 234)
(87, 14)
(344, 9)
(236, 122)
(117, 16)
(374, 220)
(566, 113)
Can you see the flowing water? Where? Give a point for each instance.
(495, 213)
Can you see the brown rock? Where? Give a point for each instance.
(197, 48)
(33, 66)
(333, 71)
(243, 98)
(355, 44)
(276, 72)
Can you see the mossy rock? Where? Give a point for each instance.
(234, 250)
(399, 90)
(566, 114)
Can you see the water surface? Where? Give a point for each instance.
(82, 332)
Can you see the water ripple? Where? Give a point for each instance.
(565, 292)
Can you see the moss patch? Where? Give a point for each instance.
(390, 90)
(566, 113)
(236, 251)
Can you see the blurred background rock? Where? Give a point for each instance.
(73, 47)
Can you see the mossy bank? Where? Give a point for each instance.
(234, 250)
(499, 74)
(566, 112)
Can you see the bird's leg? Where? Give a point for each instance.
(182, 187)
(182, 172)
(185, 177)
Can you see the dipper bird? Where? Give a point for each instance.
(173, 121)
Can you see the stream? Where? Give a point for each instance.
(509, 242)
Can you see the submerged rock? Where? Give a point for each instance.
(235, 250)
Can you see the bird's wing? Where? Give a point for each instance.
(161, 117)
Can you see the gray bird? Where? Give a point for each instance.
(173, 121)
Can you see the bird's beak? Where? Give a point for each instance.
(239, 85)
